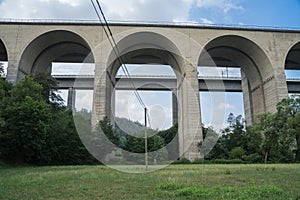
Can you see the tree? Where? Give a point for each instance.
(102, 141)
(5, 90)
(235, 131)
(237, 153)
(1, 70)
(26, 118)
(63, 144)
(231, 137)
(49, 84)
(170, 138)
(295, 123)
(35, 131)
(210, 139)
(277, 132)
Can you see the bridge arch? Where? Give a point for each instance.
(142, 47)
(53, 46)
(147, 47)
(292, 60)
(3, 51)
(292, 68)
(257, 71)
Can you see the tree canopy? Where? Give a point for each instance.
(275, 137)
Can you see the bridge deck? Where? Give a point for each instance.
(162, 83)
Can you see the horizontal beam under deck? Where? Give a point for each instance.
(146, 83)
(293, 86)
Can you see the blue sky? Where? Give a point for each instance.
(282, 13)
(277, 13)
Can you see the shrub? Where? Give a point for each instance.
(182, 161)
(237, 153)
(253, 158)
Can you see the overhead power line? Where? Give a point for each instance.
(116, 50)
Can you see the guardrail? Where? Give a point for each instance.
(148, 76)
(148, 23)
(293, 79)
(296, 79)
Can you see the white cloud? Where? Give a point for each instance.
(160, 117)
(225, 106)
(84, 99)
(157, 102)
(155, 10)
(224, 5)
(67, 2)
(206, 21)
(52, 9)
(131, 10)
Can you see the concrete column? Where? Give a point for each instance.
(12, 71)
(102, 101)
(71, 99)
(258, 101)
(174, 107)
(275, 89)
(190, 132)
(281, 84)
(247, 100)
(113, 105)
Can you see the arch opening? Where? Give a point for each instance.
(146, 54)
(64, 55)
(155, 81)
(156, 85)
(232, 51)
(3, 57)
(155, 66)
(220, 92)
(54, 47)
(292, 70)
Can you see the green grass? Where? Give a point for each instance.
(277, 181)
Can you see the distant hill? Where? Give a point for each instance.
(125, 126)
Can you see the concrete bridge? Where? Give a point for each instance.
(262, 55)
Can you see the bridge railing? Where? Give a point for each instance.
(293, 79)
(147, 23)
(147, 76)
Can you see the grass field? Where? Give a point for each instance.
(278, 181)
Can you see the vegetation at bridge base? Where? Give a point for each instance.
(274, 138)
(36, 128)
(128, 140)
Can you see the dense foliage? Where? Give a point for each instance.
(35, 130)
(129, 136)
(275, 137)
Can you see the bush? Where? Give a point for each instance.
(225, 161)
(253, 158)
(182, 161)
(237, 153)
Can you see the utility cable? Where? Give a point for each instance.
(116, 50)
